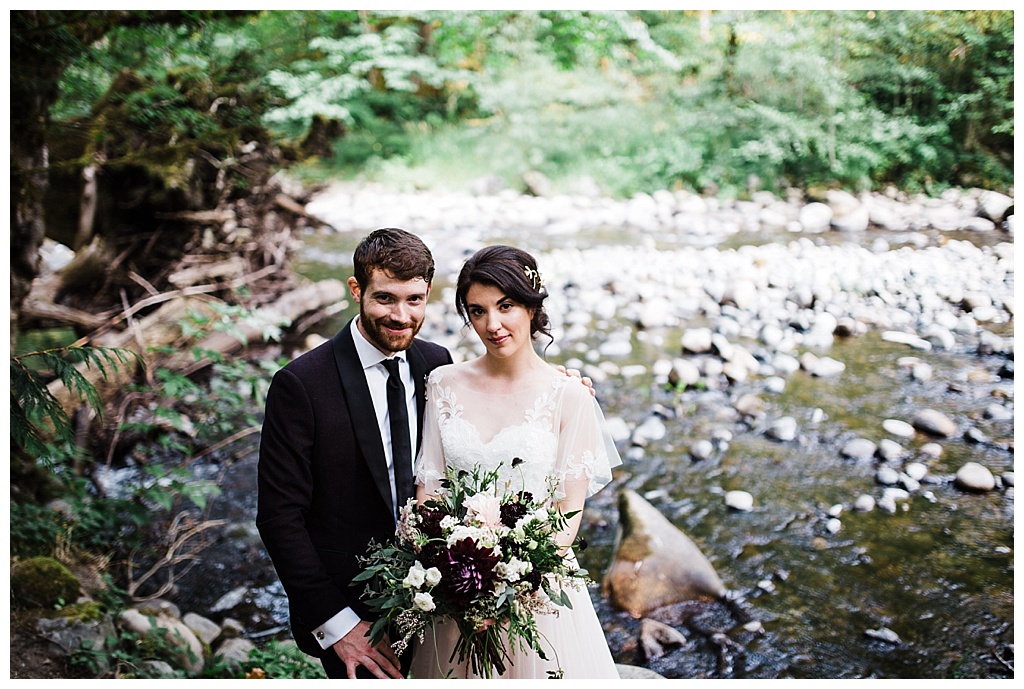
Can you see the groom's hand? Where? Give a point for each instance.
(355, 649)
(575, 373)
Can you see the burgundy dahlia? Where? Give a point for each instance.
(466, 570)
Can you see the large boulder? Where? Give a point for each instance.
(81, 625)
(655, 563)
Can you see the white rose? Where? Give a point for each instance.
(432, 576)
(423, 601)
(415, 578)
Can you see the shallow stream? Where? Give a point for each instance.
(939, 571)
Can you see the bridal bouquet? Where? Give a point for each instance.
(476, 553)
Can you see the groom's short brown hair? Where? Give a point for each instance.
(397, 252)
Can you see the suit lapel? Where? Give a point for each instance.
(360, 408)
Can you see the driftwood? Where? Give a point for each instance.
(162, 328)
(209, 217)
(40, 307)
(230, 268)
(292, 206)
(47, 313)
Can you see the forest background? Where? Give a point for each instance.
(190, 111)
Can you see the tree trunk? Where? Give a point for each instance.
(34, 77)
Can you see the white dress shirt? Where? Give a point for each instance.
(331, 631)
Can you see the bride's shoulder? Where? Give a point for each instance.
(447, 373)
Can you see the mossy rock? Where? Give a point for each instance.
(42, 582)
(86, 611)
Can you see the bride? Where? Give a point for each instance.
(509, 403)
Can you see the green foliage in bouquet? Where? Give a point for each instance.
(480, 554)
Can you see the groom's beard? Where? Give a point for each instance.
(388, 341)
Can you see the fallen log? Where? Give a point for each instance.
(287, 309)
(162, 328)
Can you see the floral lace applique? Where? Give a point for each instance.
(447, 406)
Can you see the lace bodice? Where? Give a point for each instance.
(553, 424)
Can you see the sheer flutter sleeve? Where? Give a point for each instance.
(586, 451)
(430, 464)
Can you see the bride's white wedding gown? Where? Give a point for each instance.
(555, 426)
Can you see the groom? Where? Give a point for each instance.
(328, 484)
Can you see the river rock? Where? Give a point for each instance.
(884, 634)
(921, 372)
(784, 429)
(697, 340)
(234, 651)
(900, 429)
(916, 470)
(67, 634)
(939, 336)
(206, 629)
(993, 205)
(176, 632)
(934, 423)
(684, 373)
(990, 343)
(997, 412)
(887, 476)
(864, 503)
(815, 217)
(749, 406)
(975, 477)
(826, 367)
(655, 563)
(906, 338)
(741, 292)
(889, 450)
(859, 449)
(857, 220)
(739, 500)
(701, 450)
(652, 429)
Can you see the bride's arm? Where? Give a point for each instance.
(575, 497)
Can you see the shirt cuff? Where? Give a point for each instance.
(332, 631)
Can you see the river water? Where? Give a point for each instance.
(938, 571)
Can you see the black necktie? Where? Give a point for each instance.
(401, 447)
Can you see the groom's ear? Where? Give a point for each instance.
(354, 289)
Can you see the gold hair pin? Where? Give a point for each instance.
(535, 279)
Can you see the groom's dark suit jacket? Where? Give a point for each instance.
(324, 490)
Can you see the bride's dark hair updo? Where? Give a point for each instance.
(515, 273)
